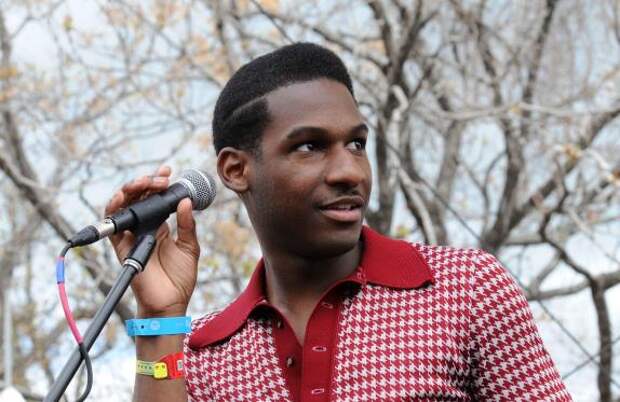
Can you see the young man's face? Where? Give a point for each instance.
(310, 186)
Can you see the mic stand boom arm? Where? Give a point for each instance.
(132, 265)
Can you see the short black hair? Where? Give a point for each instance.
(241, 111)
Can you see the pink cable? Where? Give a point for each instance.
(68, 314)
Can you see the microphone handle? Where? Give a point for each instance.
(148, 214)
(141, 217)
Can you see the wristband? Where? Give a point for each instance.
(144, 368)
(168, 367)
(158, 326)
(174, 365)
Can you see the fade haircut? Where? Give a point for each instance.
(241, 111)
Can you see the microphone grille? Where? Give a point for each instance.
(201, 187)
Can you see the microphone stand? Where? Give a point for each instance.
(132, 265)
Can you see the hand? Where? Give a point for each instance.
(166, 284)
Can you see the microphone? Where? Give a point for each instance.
(149, 213)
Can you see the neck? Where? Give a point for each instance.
(295, 284)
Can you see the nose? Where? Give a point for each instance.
(344, 169)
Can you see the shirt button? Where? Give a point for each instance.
(317, 391)
(327, 305)
(290, 361)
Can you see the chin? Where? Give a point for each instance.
(331, 243)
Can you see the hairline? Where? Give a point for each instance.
(256, 150)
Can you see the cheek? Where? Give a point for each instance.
(274, 191)
(294, 192)
(287, 195)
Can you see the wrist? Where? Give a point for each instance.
(151, 348)
(173, 311)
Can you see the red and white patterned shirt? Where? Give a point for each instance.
(413, 322)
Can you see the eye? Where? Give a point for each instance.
(306, 147)
(358, 144)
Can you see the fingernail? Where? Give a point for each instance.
(160, 180)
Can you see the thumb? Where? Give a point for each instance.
(186, 228)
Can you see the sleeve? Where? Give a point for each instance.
(509, 360)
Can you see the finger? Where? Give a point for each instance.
(138, 185)
(123, 242)
(163, 171)
(119, 201)
(114, 204)
(143, 187)
(157, 184)
(186, 228)
(134, 190)
(162, 232)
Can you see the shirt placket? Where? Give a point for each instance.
(318, 350)
(289, 353)
(308, 369)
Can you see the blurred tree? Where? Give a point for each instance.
(494, 125)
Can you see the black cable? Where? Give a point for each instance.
(65, 250)
(89, 373)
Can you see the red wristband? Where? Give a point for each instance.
(174, 364)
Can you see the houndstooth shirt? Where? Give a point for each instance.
(414, 323)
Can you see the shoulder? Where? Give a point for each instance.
(480, 274)
(443, 257)
(472, 265)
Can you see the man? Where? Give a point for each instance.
(333, 311)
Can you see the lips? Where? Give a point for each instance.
(344, 209)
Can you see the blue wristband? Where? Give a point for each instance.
(158, 326)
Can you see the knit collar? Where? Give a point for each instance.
(385, 262)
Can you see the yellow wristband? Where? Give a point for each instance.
(160, 371)
(145, 368)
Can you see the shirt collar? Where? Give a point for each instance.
(385, 262)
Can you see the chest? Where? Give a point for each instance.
(389, 345)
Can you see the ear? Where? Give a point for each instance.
(233, 168)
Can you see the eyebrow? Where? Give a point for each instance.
(299, 131)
